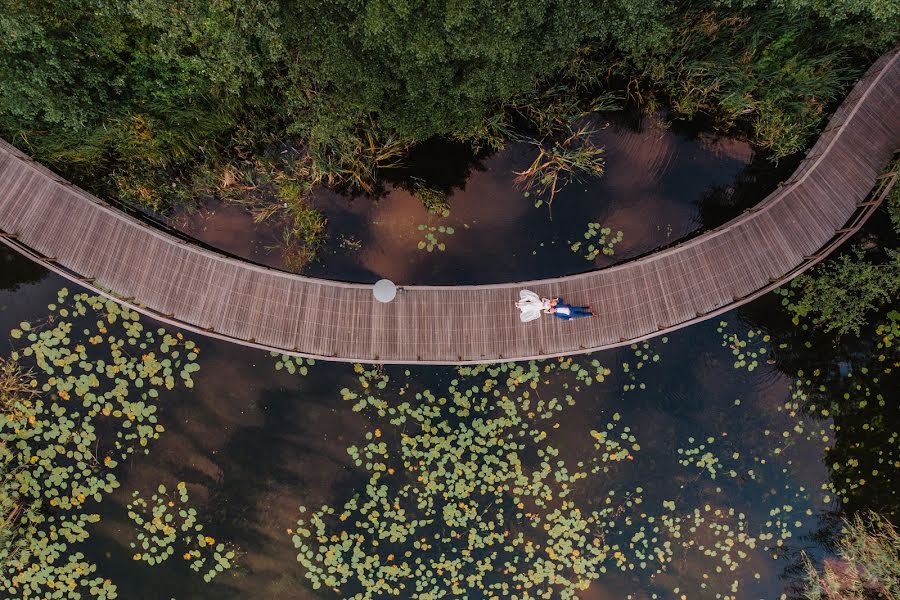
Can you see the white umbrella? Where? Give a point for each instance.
(385, 290)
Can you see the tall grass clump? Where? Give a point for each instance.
(867, 566)
(433, 200)
(304, 226)
(763, 69)
(303, 235)
(354, 161)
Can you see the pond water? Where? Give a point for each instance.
(687, 467)
(663, 182)
(699, 465)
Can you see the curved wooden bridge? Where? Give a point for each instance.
(824, 202)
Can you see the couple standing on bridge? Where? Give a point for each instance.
(531, 306)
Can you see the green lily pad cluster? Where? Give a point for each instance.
(466, 493)
(97, 376)
(167, 520)
(700, 457)
(748, 350)
(598, 239)
(369, 380)
(431, 233)
(292, 364)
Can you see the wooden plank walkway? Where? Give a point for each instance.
(822, 204)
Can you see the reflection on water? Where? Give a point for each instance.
(661, 184)
(688, 467)
(670, 468)
(15, 272)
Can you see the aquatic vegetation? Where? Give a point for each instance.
(747, 350)
(454, 474)
(598, 239)
(167, 520)
(643, 355)
(431, 240)
(14, 386)
(864, 448)
(292, 364)
(349, 243)
(434, 201)
(839, 295)
(859, 433)
(97, 373)
(303, 235)
(702, 458)
(843, 396)
(15, 389)
(868, 565)
(888, 333)
(559, 163)
(467, 492)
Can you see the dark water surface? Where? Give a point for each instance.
(701, 473)
(254, 443)
(663, 182)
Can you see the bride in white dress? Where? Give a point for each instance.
(530, 306)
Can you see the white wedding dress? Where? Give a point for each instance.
(529, 305)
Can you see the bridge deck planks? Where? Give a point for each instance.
(200, 290)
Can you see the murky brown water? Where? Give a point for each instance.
(661, 184)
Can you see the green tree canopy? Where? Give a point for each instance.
(135, 95)
(433, 67)
(61, 62)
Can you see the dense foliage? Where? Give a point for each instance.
(146, 101)
(436, 67)
(840, 294)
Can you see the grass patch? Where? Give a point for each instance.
(303, 235)
(868, 563)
